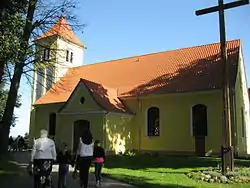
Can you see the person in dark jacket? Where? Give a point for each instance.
(63, 159)
(99, 158)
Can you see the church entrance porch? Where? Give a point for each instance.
(80, 126)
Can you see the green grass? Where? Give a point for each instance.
(146, 171)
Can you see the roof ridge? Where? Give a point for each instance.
(154, 53)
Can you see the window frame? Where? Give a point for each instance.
(67, 56)
(46, 54)
(147, 122)
(192, 132)
(71, 57)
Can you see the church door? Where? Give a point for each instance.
(79, 127)
(199, 116)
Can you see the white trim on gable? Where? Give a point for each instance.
(83, 113)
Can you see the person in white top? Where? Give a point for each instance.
(42, 157)
(85, 152)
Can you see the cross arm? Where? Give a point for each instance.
(225, 6)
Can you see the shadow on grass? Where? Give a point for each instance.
(138, 162)
(142, 182)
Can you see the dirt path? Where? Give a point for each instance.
(25, 181)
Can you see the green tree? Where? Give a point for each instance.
(11, 22)
(38, 16)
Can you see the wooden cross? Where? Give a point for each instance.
(227, 157)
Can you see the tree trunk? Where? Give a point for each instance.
(1, 71)
(15, 81)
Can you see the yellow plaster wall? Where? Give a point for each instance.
(175, 121)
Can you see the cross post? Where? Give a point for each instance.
(227, 153)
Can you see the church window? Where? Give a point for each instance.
(52, 124)
(46, 54)
(153, 121)
(82, 100)
(242, 122)
(199, 120)
(67, 55)
(71, 57)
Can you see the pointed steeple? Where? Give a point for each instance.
(63, 29)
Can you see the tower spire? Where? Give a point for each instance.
(62, 12)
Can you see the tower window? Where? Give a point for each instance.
(71, 57)
(46, 54)
(67, 55)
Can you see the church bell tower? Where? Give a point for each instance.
(57, 50)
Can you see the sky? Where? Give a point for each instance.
(117, 29)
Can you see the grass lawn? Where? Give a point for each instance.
(147, 171)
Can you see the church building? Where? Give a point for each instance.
(168, 102)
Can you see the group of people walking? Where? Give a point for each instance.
(17, 144)
(44, 155)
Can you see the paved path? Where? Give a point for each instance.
(25, 181)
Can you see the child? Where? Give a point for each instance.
(99, 158)
(63, 159)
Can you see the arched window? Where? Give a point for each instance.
(199, 120)
(153, 121)
(52, 124)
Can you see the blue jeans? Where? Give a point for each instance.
(98, 171)
(62, 176)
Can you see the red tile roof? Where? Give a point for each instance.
(63, 29)
(106, 97)
(183, 70)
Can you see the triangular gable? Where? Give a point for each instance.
(97, 97)
(80, 100)
(106, 97)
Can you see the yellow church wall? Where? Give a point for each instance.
(239, 103)
(65, 127)
(175, 121)
(74, 104)
(118, 133)
(41, 120)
